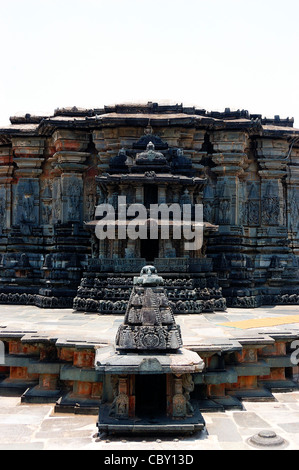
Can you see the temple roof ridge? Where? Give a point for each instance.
(148, 115)
(152, 108)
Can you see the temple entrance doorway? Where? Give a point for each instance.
(150, 394)
(150, 195)
(149, 249)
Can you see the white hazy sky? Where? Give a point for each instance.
(213, 54)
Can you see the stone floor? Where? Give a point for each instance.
(37, 427)
(31, 426)
(206, 327)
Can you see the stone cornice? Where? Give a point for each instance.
(141, 115)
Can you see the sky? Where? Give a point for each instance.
(212, 54)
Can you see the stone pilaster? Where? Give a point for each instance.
(107, 145)
(271, 156)
(231, 159)
(293, 200)
(272, 245)
(6, 173)
(28, 158)
(69, 164)
(179, 404)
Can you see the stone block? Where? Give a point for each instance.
(84, 375)
(252, 369)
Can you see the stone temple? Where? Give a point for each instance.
(55, 170)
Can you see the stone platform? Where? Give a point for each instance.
(50, 355)
(158, 425)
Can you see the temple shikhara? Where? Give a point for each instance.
(56, 169)
(55, 173)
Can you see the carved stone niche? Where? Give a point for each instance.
(122, 399)
(179, 405)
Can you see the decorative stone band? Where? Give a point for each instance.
(122, 265)
(149, 338)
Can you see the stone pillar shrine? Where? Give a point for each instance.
(148, 375)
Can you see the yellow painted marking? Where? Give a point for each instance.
(260, 322)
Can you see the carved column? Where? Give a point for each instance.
(69, 158)
(293, 200)
(107, 144)
(272, 234)
(122, 401)
(231, 159)
(6, 172)
(271, 156)
(179, 404)
(208, 203)
(28, 158)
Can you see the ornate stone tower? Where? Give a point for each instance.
(148, 370)
(149, 323)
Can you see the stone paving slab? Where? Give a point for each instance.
(103, 328)
(37, 427)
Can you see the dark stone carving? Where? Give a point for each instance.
(74, 197)
(154, 139)
(118, 163)
(294, 210)
(149, 322)
(2, 210)
(253, 207)
(188, 387)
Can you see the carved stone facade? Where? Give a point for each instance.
(54, 170)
